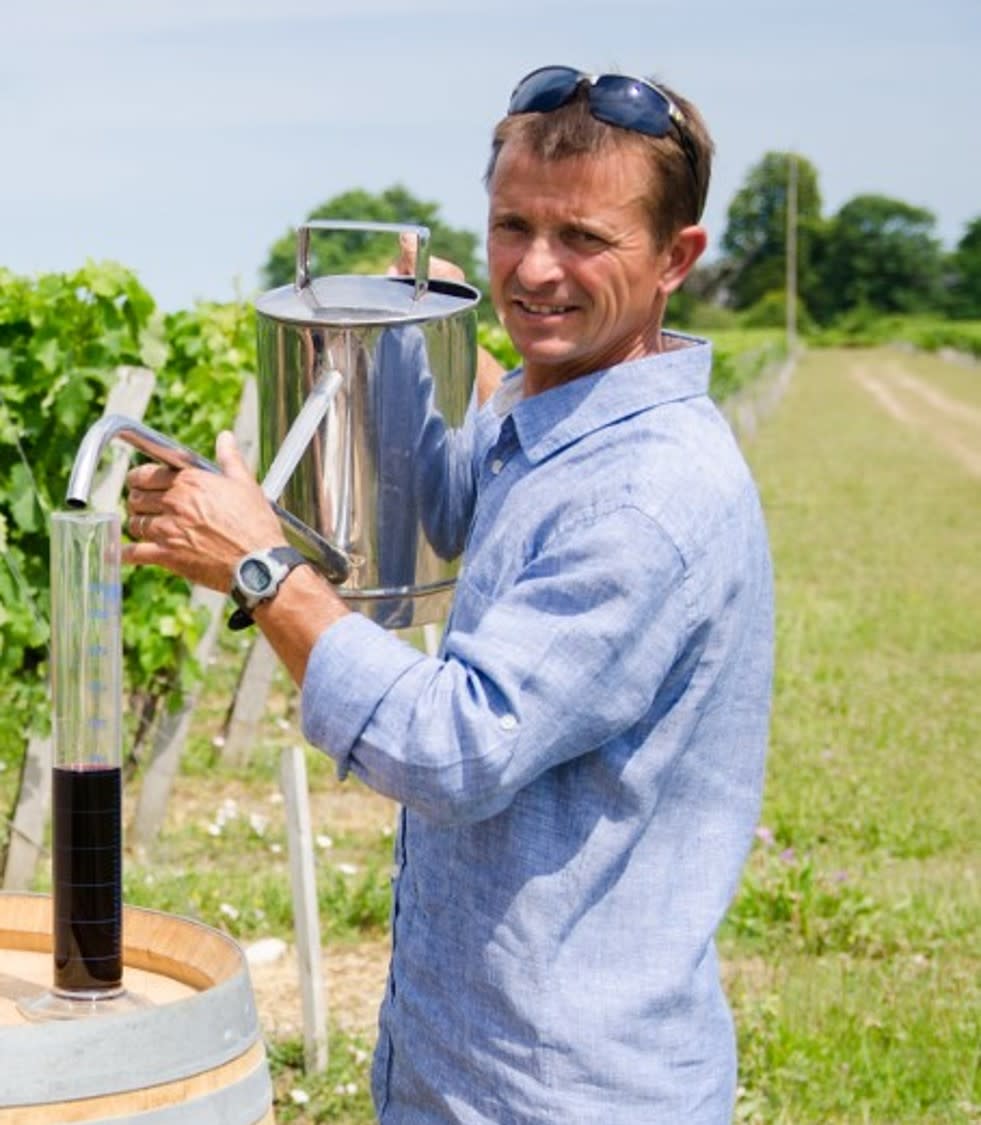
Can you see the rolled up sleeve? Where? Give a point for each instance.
(520, 685)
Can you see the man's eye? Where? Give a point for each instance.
(586, 238)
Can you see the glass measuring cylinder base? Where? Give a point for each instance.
(57, 1006)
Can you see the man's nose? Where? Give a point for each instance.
(540, 264)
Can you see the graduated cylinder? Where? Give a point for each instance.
(86, 659)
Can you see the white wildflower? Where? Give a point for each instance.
(265, 951)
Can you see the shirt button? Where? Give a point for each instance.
(508, 722)
(496, 465)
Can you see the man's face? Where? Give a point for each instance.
(575, 275)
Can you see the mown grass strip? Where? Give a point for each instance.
(852, 947)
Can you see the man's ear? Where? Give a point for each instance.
(685, 250)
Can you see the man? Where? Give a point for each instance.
(581, 767)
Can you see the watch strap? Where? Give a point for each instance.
(240, 619)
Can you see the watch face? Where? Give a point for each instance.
(255, 575)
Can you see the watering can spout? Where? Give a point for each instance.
(328, 559)
(141, 437)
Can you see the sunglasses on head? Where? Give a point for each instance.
(616, 99)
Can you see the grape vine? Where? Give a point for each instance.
(62, 336)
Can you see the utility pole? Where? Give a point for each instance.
(791, 246)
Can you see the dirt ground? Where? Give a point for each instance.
(353, 974)
(354, 977)
(955, 426)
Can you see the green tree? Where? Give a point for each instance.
(755, 239)
(964, 281)
(879, 254)
(696, 304)
(353, 252)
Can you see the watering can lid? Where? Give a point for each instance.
(343, 300)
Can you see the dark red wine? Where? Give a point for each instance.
(87, 863)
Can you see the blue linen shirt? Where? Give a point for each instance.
(581, 766)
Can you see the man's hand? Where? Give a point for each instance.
(405, 264)
(489, 371)
(196, 523)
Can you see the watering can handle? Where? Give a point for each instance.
(422, 246)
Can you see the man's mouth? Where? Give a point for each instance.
(536, 309)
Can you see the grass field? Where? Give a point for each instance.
(851, 954)
(853, 946)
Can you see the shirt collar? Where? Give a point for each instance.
(558, 417)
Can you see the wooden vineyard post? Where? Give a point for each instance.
(30, 816)
(745, 409)
(171, 735)
(431, 638)
(293, 781)
(249, 704)
(129, 395)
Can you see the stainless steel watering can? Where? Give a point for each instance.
(364, 383)
(376, 470)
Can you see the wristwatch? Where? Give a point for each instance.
(257, 579)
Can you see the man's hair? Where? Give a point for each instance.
(676, 192)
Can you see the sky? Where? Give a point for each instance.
(183, 137)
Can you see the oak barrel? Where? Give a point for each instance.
(192, 1053)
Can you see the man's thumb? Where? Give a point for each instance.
(230, 460)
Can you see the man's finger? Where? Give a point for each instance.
(405, 263)
(151, 477)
